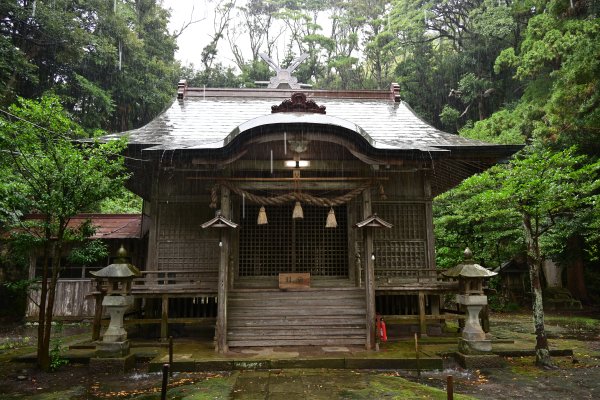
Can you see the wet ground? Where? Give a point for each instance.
(576, 377)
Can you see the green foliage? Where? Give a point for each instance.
(556, 191)
(11, 344)
(20, 286)
(559, 62)
(216, 76)
(47, 171)
(503, 127)
(52, 175)
(88, 252)
(111, 69)
(471, 216)
(122, 202)
(458, 41)
(449, 118)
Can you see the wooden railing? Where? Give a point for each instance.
(172, 282)
(408, 275)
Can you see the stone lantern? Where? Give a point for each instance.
(470, 281)
(116, 278)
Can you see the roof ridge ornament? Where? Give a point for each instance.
(395, 92)
(284, 78)
(298, 103)
(181, 89)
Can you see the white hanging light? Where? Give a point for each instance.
(331, 221)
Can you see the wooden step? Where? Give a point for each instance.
(303, 332)
(297, 342)
(290, 322)
(293, 302)
(296, 318)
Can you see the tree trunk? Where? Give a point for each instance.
(575, 271)
(44, 350)
(43, 359)
(534, 260)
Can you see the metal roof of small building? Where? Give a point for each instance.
(108, 226)
(112, 226)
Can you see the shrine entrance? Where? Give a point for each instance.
(285, 244)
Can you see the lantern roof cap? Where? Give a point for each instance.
(468, 268)
(121, 268)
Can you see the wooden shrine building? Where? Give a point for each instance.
(293, 216)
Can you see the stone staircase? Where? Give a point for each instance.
(319, 317)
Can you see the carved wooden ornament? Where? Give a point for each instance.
(298, 103)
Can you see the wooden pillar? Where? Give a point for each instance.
(223, 285)
(422, 321)
(164, 318)
(435, 302)
(369, 268)
(151, 209)
(429, 226)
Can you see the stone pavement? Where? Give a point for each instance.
(195, 356)
(303, 384)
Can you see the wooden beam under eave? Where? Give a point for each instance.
(287, 186)
(318, 165)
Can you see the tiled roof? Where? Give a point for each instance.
(205, 118)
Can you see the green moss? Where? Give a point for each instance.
(74, 393)
(214, 388)
(392, 387)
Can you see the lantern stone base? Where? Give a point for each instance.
(112, 349)
(479, 361)
(116, 306)
(113, 364)
(474, 346)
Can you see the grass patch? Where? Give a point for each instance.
(581, 322)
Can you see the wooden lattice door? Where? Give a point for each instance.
(287, 245)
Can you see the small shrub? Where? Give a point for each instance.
(56, 347)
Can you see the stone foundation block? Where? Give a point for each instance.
(479, 361)
(115, 364)
(112, 349)
(475, 347)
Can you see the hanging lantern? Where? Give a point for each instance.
(262, 216)
(298, 213)
(331, 221)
